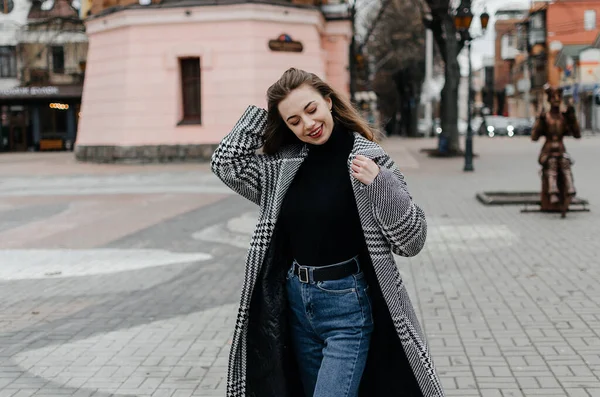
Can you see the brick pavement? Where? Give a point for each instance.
(510, 306)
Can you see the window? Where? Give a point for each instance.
(510, 40)
(6, 6)
(589, 20)
(53, 121)
(58, 59)
(190, 90)
(8, 62)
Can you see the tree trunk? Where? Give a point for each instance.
(449, 138)
(408, 86)
(414, 117)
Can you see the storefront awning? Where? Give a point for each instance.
(575, 90)
(569, 51)
(45, 92)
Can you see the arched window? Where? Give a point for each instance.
(6, 6)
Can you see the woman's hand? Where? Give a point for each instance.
(364, 169)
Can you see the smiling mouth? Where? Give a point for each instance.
(316, 133)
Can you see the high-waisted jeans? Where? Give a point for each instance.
(331, 326)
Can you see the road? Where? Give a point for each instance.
(123, 280)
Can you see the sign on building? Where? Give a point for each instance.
(285, 43)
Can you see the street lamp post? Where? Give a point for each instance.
(462, 21)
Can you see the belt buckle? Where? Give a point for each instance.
(303, 275)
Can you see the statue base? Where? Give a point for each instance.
(532, 201)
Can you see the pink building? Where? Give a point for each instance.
(165, 82)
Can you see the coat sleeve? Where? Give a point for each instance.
(235, 160)
(402, 222)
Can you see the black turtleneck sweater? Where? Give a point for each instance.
(319, 213)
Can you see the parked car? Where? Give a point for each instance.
(497, 126)
(522, 126)
(436, 128)
(423, 127)
(476, 123)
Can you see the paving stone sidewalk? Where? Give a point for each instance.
(124, 281)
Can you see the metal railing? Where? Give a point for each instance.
(48, 76)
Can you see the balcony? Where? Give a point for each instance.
(38, 77)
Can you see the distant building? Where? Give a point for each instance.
(556, 45)
(42, 62)
(573, 61)
(165, 81)
(505, 54)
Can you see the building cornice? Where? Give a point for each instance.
(338, 28)
(204, 14)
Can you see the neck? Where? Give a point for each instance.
(338, 139)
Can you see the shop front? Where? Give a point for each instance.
(580, 83)
(39, 118)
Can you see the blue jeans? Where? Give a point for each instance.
(331, 326)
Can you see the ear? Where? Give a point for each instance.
(329, 102)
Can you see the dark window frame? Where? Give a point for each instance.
(190, 73)
(8, 62)
(54, 123)
(58, 59)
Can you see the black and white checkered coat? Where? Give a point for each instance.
(391, 223)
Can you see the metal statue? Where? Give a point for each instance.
(558, 188)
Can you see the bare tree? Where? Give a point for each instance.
(449, 45)
(397, 50)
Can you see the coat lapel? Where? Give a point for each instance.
(291, 160)
(364, 147)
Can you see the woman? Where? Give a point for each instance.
(324, 311)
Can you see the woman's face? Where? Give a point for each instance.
(307, 114)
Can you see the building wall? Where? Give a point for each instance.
(501, 66)
(132, 89)
(11, 22)
(10, 25)
(335, 43)
(565, 22)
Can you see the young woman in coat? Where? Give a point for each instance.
(324, 311)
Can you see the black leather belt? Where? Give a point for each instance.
(324, 273)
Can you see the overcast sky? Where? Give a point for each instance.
(485, 45)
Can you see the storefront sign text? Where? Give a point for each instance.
(30, 91)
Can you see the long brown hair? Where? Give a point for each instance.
(277, 134)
